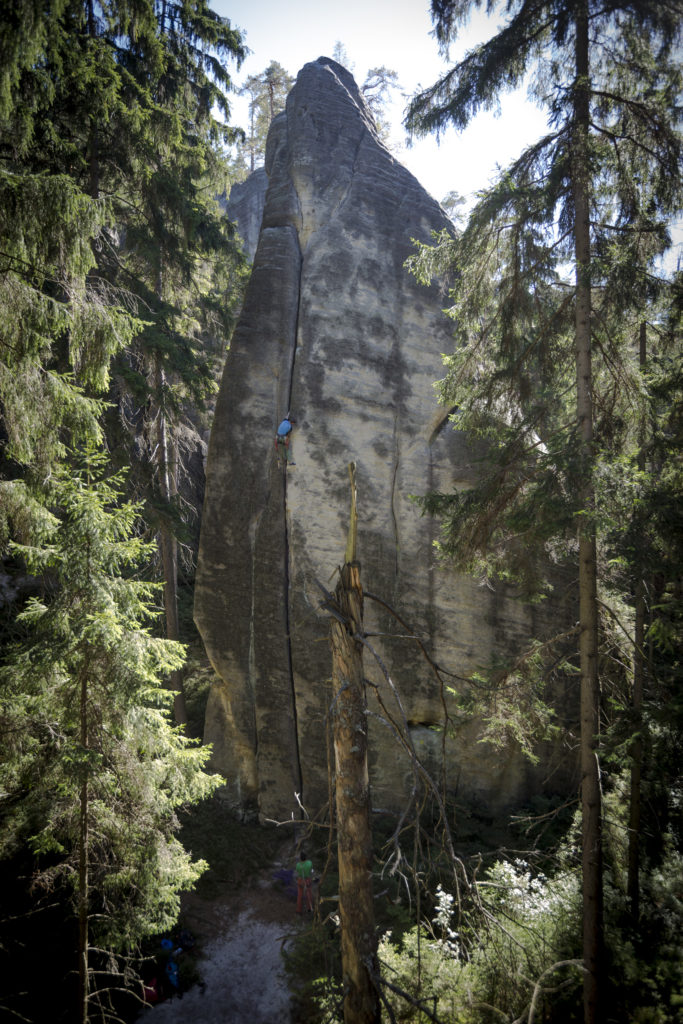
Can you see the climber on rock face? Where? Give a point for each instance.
(282, 439)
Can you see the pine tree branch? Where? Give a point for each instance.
(624, 137)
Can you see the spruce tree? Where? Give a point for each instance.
(101, 104)
(92, 769)
(643, 540)
(120, 113)
(61, 328)
(596, 193)
(377, 87)
(267, 92)
(178, 256)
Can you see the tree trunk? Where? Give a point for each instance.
(354, 835)
(93, 155)
(633, 882)
(591, 809)
(83, 876)
(168, 546)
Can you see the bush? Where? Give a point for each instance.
(646, 962)
(518, 946)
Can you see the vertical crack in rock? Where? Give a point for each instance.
(287, 581)
(288, 641)
(251, 677)
(394, 516)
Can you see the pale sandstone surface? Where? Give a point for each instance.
(335, 329)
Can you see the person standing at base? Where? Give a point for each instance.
(304, 879)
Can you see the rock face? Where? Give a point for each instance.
(245, 208)
(336, 330)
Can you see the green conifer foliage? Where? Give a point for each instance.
(92, 770)
(62, 323)
(180, 261)
(60, 331)
(109, 164)
(554, 273)
(267, 93)
(377, 88)
(117, 275)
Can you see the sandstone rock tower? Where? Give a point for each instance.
(337, 331)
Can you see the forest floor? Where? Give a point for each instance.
(240, 933)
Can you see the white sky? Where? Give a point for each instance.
(396, 34)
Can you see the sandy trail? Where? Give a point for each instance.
(239, 958)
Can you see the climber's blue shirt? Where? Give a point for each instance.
(284, 428)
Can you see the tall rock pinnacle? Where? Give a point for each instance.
(336, 330)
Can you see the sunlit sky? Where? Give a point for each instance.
(396, 34)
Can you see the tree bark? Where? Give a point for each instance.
(93, 155)
(633, 881)
(591, 800)
(168, 546)
(354, 835)
(83, 875)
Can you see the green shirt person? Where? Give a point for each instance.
(304, 873)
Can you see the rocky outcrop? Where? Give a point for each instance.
(334, 328)
(245, 207)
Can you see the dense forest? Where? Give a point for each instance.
(120, 281)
